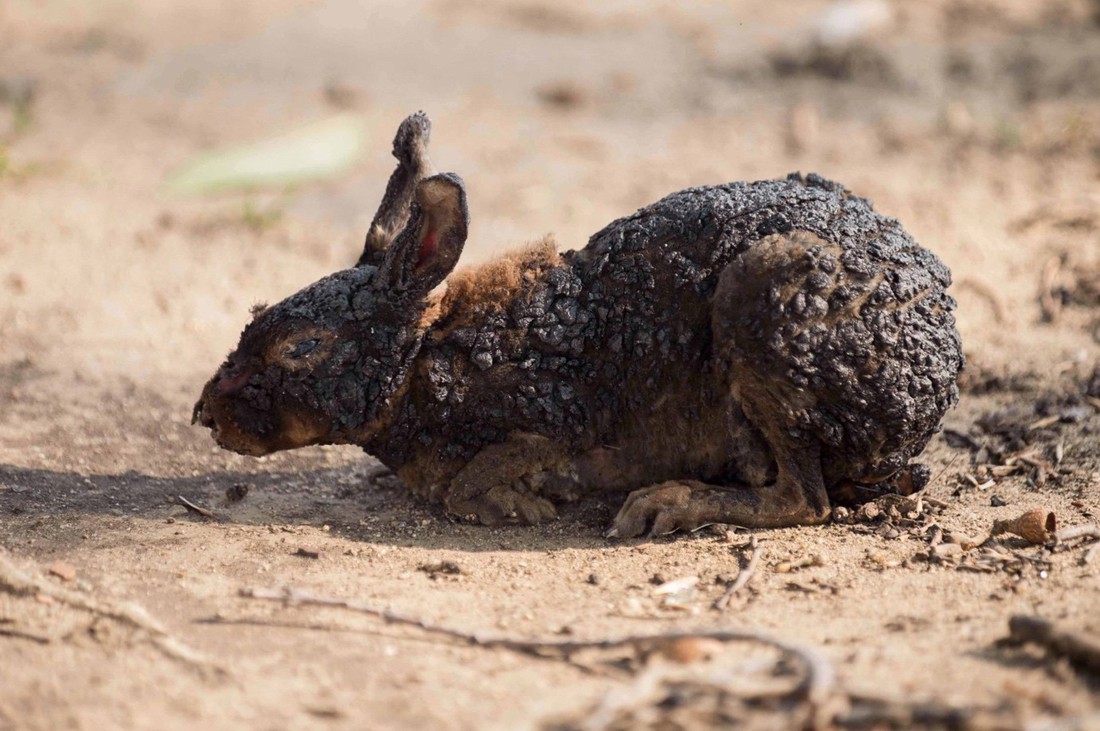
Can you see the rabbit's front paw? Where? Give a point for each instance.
(501, 505)
(667, 507)
(503, 482)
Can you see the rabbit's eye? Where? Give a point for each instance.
(304, 348)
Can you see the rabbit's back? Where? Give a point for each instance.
(826, 313)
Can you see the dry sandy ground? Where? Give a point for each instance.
(977, 123)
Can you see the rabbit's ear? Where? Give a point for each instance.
(428, 249)
(410, 147)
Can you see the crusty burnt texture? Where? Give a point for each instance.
(742, 353)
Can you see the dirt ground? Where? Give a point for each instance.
(976, 122)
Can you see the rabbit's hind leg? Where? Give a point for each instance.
(797, 497)
(754, 317)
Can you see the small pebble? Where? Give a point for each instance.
(67, 572)
(676, 585)
(449, 568)
(685, 650)
(869, 511)
(236, 492)
(947, 550)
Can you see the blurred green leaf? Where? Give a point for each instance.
(318, 151)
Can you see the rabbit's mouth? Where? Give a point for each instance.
(247, 448)
(235, 440)
(215, 414)
(238, 426)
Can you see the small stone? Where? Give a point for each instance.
(449, 568)
(879, 559)
(676, 585)
(947, 550)
(236, 492)
(685, 650)
(67, 572)
(594, 579)
(869, 511)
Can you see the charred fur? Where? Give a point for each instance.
(743, 350)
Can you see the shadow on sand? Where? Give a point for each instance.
(360, 503)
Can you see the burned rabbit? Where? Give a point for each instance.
(748, 353)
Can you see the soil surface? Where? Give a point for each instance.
(977, 123)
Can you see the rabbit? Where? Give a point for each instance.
(748, 353)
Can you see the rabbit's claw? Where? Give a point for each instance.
(664, 508)
(502, 505)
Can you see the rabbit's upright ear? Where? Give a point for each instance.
(428, 249)
(410, 147)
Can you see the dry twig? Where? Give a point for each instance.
(1073, 532)
(19, 583)
(195, 508)
(723, 602)
(1049, 302)
(32, 636)
(816, 686)
(934, 502)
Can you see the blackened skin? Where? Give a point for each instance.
(743, 353)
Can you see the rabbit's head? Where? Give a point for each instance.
(324, 365)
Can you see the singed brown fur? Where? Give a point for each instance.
(474, 291)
